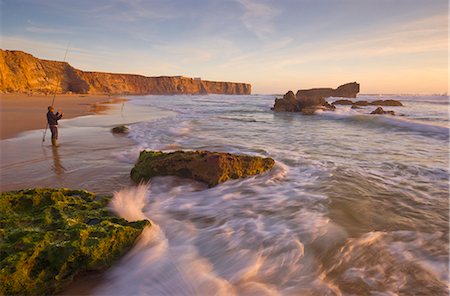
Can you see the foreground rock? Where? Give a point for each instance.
(209, 167)
(309, 100)
(380, 111)
(50, 235)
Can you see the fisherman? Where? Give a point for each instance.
(52, 120)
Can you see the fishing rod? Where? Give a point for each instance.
(54, 93)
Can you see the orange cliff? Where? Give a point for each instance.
(21, 72)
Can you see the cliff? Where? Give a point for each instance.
(21, 72)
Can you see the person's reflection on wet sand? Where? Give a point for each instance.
(57, 167)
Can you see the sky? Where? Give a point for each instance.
(388, 46)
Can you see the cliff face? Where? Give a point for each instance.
(21, 72)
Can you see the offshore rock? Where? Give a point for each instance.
(121, 129)
(288, 103)
(343, 102)
(361, 103)
(314, 98)
(24, 73)
(211, 168)
(50, 235)
(348, 90)
(380, 111)
(392, 103)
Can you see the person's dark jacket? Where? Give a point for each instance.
(52, 118)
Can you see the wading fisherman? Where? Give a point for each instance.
(52, 120)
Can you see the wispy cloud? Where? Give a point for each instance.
(134, 10)
(258, 17)
(40, 28)
(426, 35)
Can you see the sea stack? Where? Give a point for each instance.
(309, 100)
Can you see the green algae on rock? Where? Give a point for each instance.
(205, 166)
(49, 235)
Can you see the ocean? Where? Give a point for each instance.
(356, 204)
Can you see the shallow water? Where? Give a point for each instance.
(356, 204)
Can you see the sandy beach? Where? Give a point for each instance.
(21, 112)
(89, 157)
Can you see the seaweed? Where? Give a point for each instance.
(47, 236)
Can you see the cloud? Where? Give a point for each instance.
(40, 28)
(258, 17)
(427, 35)
(135, 10)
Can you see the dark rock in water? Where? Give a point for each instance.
(310, 101)
(309, 110)
(343, 102)
(288, 103)
(348, 90)
(361, 103)
(50, 235)
(121, 129)
(380, 111)
(314, 98)
(209, 167)
(386, 103)
(358, 104)
(329, 106)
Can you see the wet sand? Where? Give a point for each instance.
(89, 156)
(20, 112)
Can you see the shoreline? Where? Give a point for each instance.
(21, 112)
(89, 157)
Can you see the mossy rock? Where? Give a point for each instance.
(47, 236)
(121, 129)
(209, 167)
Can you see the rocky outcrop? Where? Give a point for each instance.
(366, 103)
(50, 235)
(392, 103)
(211, 168)
(380, 111)
(21, 72)
(361, 103)
(288, 103)
(309, 100)
(343, 102)
(348, 90)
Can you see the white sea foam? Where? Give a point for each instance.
(426, 128)
(401, 258)
(305, 227)
(129, 203)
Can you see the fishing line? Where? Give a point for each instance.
(54, 92)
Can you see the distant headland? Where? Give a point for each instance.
(23, 73)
